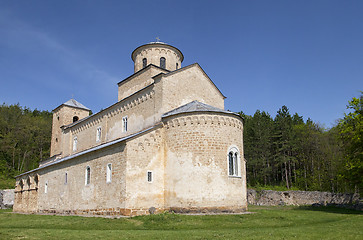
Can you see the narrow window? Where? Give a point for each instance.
(230, 163)
(88, 175)
(144, 63)
(162, 62)
(235, 164)
(46, 187)
(177, 65)
(75, 144)
(65, 178)
(109, 172)
(124, 124)
(75, 119)
(149, 176)
(36, 180)
(21, 185)
(98, 134)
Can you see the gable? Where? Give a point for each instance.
(188, 84)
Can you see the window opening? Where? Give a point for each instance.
(149, 176)
(230, 161)
(75, 141)
(177, 65)
(46, 187)
(124, 124)
(66, 178)
(109, 173)
(233, 162)
(88, 175)
(75, 119)
(21, 185)
(144, 63)
(162, 62)
(98, 134)
(36, 180)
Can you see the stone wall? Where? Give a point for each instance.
(297, 198)
(6, 198)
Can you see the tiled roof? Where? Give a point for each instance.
(195, 106)
(73, 103)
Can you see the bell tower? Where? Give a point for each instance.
(65, 114)
(159, 54)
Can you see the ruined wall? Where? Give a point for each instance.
(26, 193)
(196, 168)
(274, 198)
(7, 198)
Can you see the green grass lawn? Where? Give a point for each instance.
(265, 223)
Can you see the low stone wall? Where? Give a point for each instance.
(6, 198)
(297, 198)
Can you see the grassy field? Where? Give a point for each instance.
(265, 223)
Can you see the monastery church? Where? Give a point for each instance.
(167, 144)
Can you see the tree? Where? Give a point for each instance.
(351, 130)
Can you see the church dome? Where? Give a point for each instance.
(159, 54)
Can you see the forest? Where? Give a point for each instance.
(284, 152)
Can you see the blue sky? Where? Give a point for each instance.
(307, 55)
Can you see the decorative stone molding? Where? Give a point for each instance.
(200, 119)
(118, 108)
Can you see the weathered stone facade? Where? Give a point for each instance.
(167, 144)
(297, 198)
(6, 198)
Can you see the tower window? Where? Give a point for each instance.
(162, 62)
(75, 119)
(177, 65)
(88, 175)
(144, 63)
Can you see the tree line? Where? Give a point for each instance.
(24, 140)
(298, 154)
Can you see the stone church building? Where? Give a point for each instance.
(167, 144)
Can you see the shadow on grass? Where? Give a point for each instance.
(330, 209)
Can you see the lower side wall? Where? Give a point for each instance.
(137, 212)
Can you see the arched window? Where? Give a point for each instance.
(21, 184)
(144, 63)
(233, 162)
(75, 119)
(28, 182)
(88, 175)
(36, 181)
(177, 65)
(162, 62)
